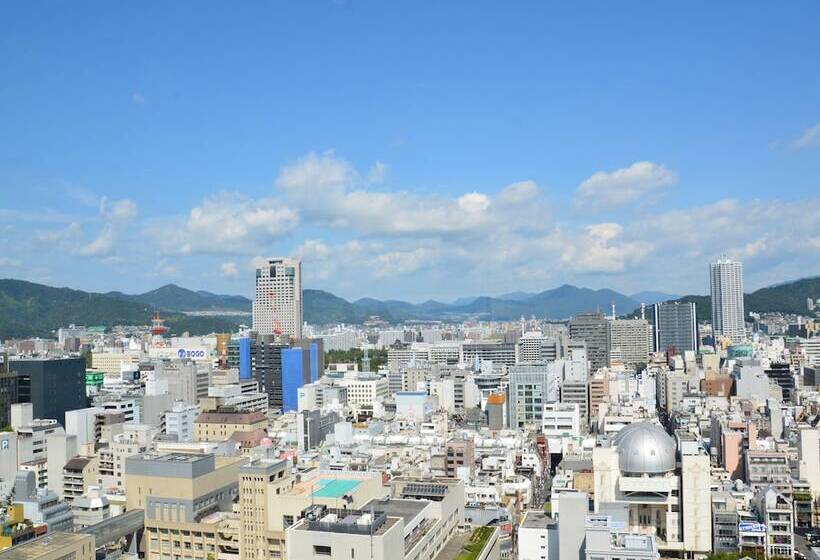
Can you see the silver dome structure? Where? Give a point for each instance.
(645, 448)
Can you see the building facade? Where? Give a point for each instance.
(726, 282)
(277, 309)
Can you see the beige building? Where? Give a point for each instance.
(219, 426)
(272, 498)
(78, 474)
(260, 481)
(277, 308)
(640, 472)
(188, 501)
(111, 362)
(629, 341)
(53, 546)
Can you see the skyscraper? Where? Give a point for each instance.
(675, 326)
(726, 283)
(277, 309)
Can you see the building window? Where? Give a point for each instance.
(321, 550)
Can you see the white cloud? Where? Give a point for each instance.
(229, 269)
(315, 172)
(328, 192)
(313, 249)
(809, 138)
(351, 233)
(71, 231)
(118, 210)
(473, 202)
(640, 180)
(397, 263)
(601, 249)
(102, 245)
(228, 222)
(377, 173)
(164, 269)
(519, 193)
(772, 237)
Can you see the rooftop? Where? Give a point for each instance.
(467, 547)
(44, 546)
(350, 521)
(408, 510)
(334, 488)
(535, 519)
(231, 418)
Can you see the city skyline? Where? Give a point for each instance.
(393, 175)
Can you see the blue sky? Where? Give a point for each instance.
(410, 150)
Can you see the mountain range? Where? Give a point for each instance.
(175, 298)
(29, 309)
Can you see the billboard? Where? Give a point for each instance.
(747, 527)
(197, 354)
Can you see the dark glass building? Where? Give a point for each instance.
(675, 325)
(52, 386)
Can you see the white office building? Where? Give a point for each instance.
(179, 421)
(277, 308)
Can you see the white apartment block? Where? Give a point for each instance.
(277, 308)
(726, 279)
(179, 421)
(364, 389)
(561, 420)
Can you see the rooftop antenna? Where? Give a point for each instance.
(643, 311)
(613, 310)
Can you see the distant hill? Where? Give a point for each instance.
(322, 307)
(176, 298)
(649, 297)
(559, 303)
(516, 296)
(30, 309)
(785, 297)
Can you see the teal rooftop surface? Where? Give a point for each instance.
(335, 487)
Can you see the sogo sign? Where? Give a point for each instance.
(182, 354)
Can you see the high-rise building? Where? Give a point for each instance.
(266, 367)
(726, 281)
(277, 309)
(675, 325)
(593, 329)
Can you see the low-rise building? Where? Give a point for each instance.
(220, 425)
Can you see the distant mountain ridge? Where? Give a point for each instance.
(784, 297)
(176, 298)
(560, 303)
(649, 297)
(30, 309)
